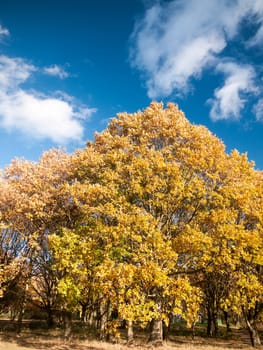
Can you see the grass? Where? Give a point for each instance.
(38, 338)
(38, 343)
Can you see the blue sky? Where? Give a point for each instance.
(67, 67)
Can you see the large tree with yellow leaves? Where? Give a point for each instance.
(161, 199)
(151, 219)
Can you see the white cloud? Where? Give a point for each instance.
(257, 11)
(83, 112)
(56, 71)
(14, 72)
(175, 74)
(3, 31)
(41, 117)
(176, 41)
(57, 117)
(258, 110)
(229, 100)
(257, 39)
(33, 113)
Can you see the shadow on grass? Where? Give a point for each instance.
(35, 336)
(234, 339)
(45, 342)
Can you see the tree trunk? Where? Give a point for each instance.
(252, 329)
(209, 323)
(92, 319)
(20, 320)
(237, 321)
(22, 302)
(166, 329)
(130, 332)
(214, 324)
(50, 319)
(228, 329)
(50, 315)
(104, 310)
(156, 336)
(67, 318)
(83, 312)
(193, 330)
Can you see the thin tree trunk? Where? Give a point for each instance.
(104, 311)
(156, 336)
(83, 312)
(130, 332)
(209, 323)
(252, 329)
(214, 324)
(193, 330)
(21, 309)
(91, 319)
(166, 329)
(228, 329)
(20, 320)
(67, 315)
(50, 319)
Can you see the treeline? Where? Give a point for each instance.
(152, 219)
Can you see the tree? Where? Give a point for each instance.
(34, 201)
(247, 292)
(152, 218)
(147, 163)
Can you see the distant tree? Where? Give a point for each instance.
(33, 203)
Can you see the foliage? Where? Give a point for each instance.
(150, 220)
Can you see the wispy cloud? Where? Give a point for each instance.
(58, 118)
(230, 99)
(256, 13)
(14, 72)
(258, 110)
(56, 71)
(3, 31)
(176, 41)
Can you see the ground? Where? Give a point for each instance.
(41, 340)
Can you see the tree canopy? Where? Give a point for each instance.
(153, 219)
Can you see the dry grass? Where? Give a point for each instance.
(27, 341)
(38, 339)
(95, 345)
